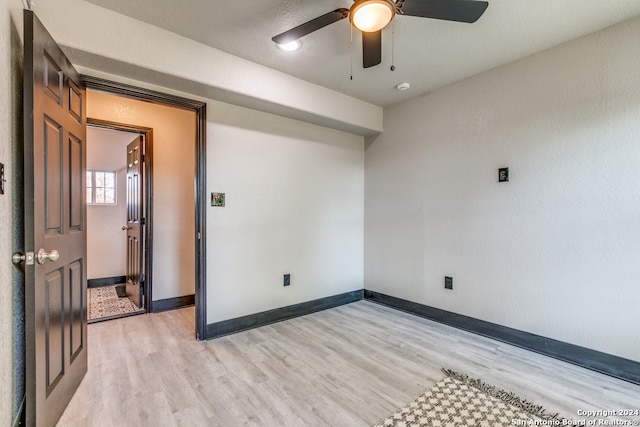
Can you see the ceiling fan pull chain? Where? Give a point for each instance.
(350, 52)
(393, 45)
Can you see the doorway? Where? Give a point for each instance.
(185, 247)
(117, 217)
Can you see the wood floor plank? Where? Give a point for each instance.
(348, 366)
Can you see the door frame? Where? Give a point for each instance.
(148, 198)
(200, 110)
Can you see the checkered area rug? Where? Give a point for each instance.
(459, 400)
(104, 304)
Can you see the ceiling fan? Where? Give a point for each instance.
(371, 16)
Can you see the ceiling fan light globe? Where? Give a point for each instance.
(290, 46)
(371, 15)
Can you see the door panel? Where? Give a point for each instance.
(77, 306)
(53, 182)
(135, 222)
(54, 326)
(55, 215)
(76, 192)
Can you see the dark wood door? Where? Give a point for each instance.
(55, 213)
(135, 220)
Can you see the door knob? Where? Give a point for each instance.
(43, 256)
(124, 227)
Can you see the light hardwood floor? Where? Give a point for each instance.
(348, 366)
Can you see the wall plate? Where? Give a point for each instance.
(448, 282)
(503, 175)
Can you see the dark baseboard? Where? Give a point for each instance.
(172, 303)
(106, 281)
(226, 327)
(608, 364)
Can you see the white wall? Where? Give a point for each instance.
(556, 251)
(173, 183)
(294, 204)
(106, 241)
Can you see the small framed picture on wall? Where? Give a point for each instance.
(217, 199)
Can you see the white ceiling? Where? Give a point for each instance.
(427, 53)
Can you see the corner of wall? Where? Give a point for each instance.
(12, 289)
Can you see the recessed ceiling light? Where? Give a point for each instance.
(291, 46)
(403, 86)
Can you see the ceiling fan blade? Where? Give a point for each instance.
(311, 26)
(371, 48)
(450, 10)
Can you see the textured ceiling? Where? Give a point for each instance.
(427, 53)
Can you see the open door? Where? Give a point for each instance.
(55, 232)
(135, 221)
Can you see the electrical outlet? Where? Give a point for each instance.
(448, 282)
(287, 279)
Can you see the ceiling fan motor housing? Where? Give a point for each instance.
(371, 15)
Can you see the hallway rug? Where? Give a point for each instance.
(103, 303)
(459, 400)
